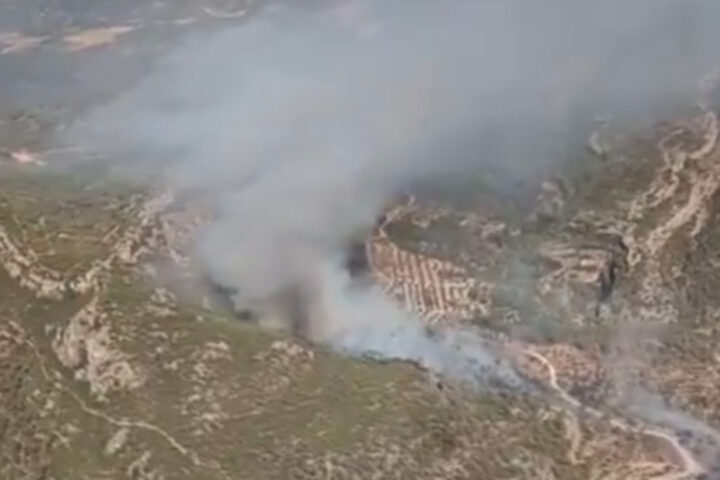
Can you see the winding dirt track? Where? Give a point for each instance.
(699, 163)
(690, 466)
(696, 163)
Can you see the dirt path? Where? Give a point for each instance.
(690, 466)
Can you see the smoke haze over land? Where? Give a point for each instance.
(301, 124)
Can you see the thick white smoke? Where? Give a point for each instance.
(365, 322)
(300, 125)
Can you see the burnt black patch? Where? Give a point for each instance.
(356, 260)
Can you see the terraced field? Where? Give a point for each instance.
(118, 360)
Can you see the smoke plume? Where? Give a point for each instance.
(301, 124)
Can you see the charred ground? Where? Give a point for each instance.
(116, 363)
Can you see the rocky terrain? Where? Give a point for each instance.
(116, 361)
(609, 278)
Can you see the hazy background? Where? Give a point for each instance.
(302, 122)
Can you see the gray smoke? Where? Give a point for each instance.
(301, 124)
(365, 322)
